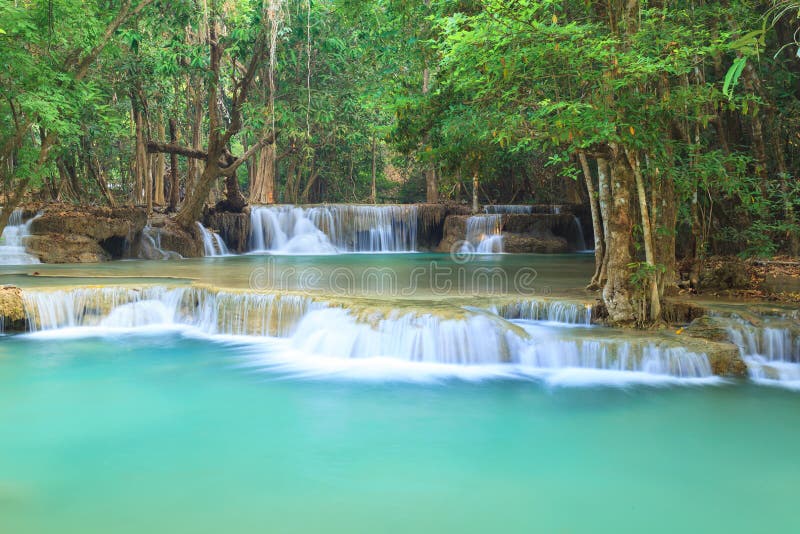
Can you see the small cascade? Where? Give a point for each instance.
(213, 245)
(213, 312)
(770, 350)
(554, 311)
(475, 339)
(12, 245)
(150, 246)
(484, 234)
(504, 209)
(333, 228)
(580, 240)
(648, 357)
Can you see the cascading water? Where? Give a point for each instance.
(333, 228)
(484, 234)
(212, 312)
(213, 245)
(12, 246)
(150, 246)
(554, 311)
(507, 209)
(339, 332)
(771, 350)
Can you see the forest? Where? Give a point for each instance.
(676, 122)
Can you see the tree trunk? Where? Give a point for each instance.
(158, 168)
(604, 201)
(597, 223)
(374, 195)
(647, 235)
(475, 186)
(13, 199)
(174, 189)
(141, 167)
(262, 188)
(665, 238)
(431, 187)
(617, 293)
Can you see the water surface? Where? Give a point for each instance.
(162, 432)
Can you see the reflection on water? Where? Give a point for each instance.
(400, 276)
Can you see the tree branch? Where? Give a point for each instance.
(230, 170)
(154, 147)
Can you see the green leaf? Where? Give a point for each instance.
(732, 76)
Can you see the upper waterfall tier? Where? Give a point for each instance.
(333, 228)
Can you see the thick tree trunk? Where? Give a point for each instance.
(431, 187)
(234, 200)
(667, 214)
(647, 235)
(618, 291)
(262, 188)
(597, 223)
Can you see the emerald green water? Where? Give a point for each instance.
(167, 433)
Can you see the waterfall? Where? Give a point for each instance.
(484, 234)
(580, 240)
(213, 312)
(12, 245)
(618, 355)
(213, 245)
(150, 246)
(338, 331)
(335, 228)
(771, 350)
(507, 209)
(545, 310)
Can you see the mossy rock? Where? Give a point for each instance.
(12, 310)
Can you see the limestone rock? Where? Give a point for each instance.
(64, 233)
(71, 248)
(233, 228)
(173, 237)
(12, 310)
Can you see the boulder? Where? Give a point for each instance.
(71, 248)
(97, 223)
(64, 233)
(526, 233)
(12, 310)
(175, 238)
(725, 274)
(521, 243)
